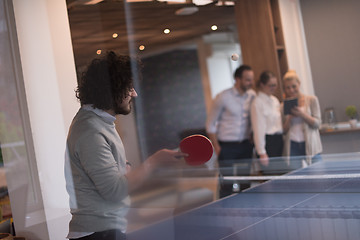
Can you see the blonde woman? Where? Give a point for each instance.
(301, 126)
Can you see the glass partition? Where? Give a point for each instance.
(17, 161)
(189, 52)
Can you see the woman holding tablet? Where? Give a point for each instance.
(266, 123)
(301, 126)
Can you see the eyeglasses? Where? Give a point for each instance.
(271, 85)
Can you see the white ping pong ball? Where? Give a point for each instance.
(234, 57)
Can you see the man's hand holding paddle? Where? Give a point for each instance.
(198, 148)
(195, 149)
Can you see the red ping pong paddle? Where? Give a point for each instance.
(198, 147)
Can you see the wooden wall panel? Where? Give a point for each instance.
(255, 24)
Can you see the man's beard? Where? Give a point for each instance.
(122, 110)
(245, 88)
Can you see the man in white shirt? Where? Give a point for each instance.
(228, 126)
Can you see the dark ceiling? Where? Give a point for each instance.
(139, 23)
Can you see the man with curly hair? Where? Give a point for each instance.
(98, 179)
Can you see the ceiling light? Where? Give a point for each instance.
(173, 1)
(141, 47)
(196, 2)
(98, 52)
(202, 2)
(115, 35)
(166, 31)
(187, 10)
(139, 0)
(91, 2)
(225, 3)
(82, 2)
(214, 27)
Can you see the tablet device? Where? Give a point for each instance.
(289, 104)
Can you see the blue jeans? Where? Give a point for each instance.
(298, 153)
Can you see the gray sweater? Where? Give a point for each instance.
(95, 170)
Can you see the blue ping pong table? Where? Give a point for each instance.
(326, 205)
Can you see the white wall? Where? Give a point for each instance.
(50, 79)
(333, 39)
(219, 64)
(221, 68)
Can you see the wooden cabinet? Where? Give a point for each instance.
(261, 37)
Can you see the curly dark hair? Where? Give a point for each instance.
(107, 81)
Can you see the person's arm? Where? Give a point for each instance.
(287, 122)
(258, 123)
(139, 175)
(211, 123)
(315, 112)
(313, 120)
(99, 164)
(215, 142)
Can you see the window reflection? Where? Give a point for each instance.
(15, 169)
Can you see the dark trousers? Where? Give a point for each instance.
(274, 149)
(239, 153)
(113, 234)
(298, 154)
(274, 145)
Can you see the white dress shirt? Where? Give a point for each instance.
(265, 119)
(229, 117)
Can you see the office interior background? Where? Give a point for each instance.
(40, 63)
